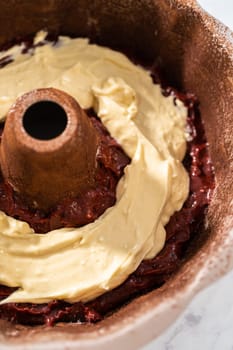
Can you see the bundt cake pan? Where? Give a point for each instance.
(195, 53)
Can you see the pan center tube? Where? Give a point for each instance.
(48, 149)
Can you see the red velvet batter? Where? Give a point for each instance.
(150, 274)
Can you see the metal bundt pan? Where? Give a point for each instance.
(196, 54)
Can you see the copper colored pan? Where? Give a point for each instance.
(196, 54)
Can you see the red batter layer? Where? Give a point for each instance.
(150, 274)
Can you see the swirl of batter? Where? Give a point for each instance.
(80, 264)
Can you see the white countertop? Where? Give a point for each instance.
(207, 323)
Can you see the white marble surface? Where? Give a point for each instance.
(207, 323)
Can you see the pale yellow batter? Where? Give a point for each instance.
(79, 264)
